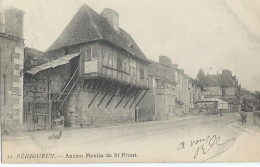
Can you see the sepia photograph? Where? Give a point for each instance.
(130, 81)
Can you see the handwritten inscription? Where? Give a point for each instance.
(204, 145)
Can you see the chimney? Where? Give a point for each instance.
(165, 60)
(2, 21)
(112, 17)
(14, 22)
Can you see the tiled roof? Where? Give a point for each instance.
(225, 80)
(222, 80)
(87, 25)
(161, 71)
(33, 57)
(195, 82)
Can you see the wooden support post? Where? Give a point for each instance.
(129, 99)
(125, 93)
(99, 89)
(115, 90)
(68, 95)
(135, 98)
(108, 90)
(141, 98)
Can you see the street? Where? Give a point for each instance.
(210, 138)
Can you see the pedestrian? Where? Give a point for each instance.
(243, 116)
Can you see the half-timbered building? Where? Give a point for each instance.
(96, 73)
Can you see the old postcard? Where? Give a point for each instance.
(89, 81)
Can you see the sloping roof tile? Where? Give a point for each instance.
(87, 25)
(222, 80)
(161, 71)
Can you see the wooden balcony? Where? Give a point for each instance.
(94, 69)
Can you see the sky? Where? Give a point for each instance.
(208, 34)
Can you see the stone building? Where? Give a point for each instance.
(196, 91)
(12, 58)
(223, 86)
(96, 73)
(182, 90)
(172, 92)
(160, 100)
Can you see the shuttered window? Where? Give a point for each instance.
(141, 73)
(119, 62)
(95, 51)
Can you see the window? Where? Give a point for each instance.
(95, 51)
(110, 60)
(141, 73)
(119, 62)
(88, 55)
(223, 92)
(133, 71)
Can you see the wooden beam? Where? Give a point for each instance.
(125, 93)
(66, 86)
(115, 90)
(135, 98)
(69, 93)
(108, 90)
(141, 98)
(129, 99)
(99, 89)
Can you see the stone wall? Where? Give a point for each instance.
(36, 89)
(102, 115)
(12, 57)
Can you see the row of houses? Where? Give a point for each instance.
(94, 74)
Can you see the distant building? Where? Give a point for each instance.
(96, 73)
(196, 91)
(172, 92)
(160, 100)
(183, 86)
(12, 56)
(223, 86)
